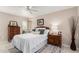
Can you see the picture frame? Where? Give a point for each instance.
(40, 22)
(13, 23)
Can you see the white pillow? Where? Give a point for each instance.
(40, 28)
(36, 32)
(46, 31)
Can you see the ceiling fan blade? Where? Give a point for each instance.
(28, 7)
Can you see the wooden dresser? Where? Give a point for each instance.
(13, 30)
(55, 40)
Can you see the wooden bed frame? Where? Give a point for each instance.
(43, 27)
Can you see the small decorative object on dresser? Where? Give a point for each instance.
(55, 39)
(12, 30)
(13, 23)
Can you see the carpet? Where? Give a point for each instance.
(46, 49)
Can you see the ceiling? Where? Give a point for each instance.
(41, 10)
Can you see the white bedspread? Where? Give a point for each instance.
(27, 42)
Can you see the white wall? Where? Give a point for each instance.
(34, 22)
(4, 21)
(77, 30)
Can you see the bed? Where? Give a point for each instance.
(30, 42)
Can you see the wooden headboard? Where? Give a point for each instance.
(43, 27)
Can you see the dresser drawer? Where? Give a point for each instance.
(51, 41)
(54, 40)
(12, 31)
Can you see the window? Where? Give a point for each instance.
(24, 25)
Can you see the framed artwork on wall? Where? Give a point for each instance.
(40, 22)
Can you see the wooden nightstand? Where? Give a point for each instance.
(55, 40)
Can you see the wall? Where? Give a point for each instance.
(63, 17)
(34, 22)
(77, 29)
(4, 21)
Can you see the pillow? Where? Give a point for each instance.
(41, 31)
(34, 30)
(37, 29)
(46, 31)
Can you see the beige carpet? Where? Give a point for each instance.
(6, 47)
(45, 49)
(48, 49)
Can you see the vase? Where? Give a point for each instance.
(73, 45)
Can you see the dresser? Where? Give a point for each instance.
(13, 30)
(55, 40)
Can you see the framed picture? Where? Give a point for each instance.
(13, 23)
(40, 22)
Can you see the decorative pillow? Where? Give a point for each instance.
(34, 30)
(37, 29)
(41, 31)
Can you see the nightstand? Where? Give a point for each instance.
(55, 40)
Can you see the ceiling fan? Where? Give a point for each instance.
(30, 9)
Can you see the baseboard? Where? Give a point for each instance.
(65, 45)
